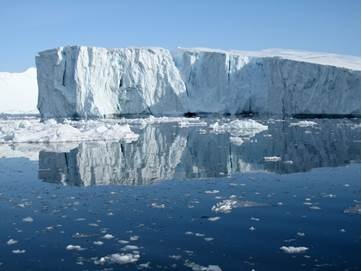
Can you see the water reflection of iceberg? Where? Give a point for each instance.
(165, 152)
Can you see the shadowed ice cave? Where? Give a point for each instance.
(165, 152)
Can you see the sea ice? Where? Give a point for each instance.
(35, 131)
(293, 250)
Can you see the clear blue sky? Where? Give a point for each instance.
(27, 27)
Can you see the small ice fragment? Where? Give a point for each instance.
(123, 242)
(208, 239)
(98, 243)
(130, 247)
(175, 257)
(19, 251)
(108, 236)
(28, 219)
(134, 238)
(272, 158)
(300, 233)
(255, 218)
(252, 228)
(212, 191)
(214, 218)
(74, 247)
(157, 205)
(293, 250)
(11, 242)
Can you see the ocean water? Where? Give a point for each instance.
(186, 197)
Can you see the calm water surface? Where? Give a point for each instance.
(186, 198)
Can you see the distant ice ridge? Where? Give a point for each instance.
(86, 82)
(18, 92)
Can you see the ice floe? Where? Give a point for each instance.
(74, 247)
(227, 205)
(293, 250)
(118, 258)
(35, 131)
(11, 242)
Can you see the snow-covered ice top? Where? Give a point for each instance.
(337, 60)
(97, 82)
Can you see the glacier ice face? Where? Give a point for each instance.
(93, 82)
(96, 82)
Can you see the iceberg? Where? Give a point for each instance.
(89, 82)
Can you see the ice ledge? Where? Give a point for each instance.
(84, 82)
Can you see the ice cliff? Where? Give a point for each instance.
(97, 82)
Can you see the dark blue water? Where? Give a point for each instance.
(159, 194)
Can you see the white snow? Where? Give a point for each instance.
(35, 131)
(293, 250)
(19, 92)
(97, 82)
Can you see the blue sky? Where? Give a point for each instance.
(27, 27)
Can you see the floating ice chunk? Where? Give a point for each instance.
(123, 242)
(303, 124)
(119, 258)
(175, 257)
(70, 131)
(301, 234)
(158, 205)
(74, 247)
(11, 242)
(242, 128)
(208, 239)
(28, 219)
(191, 122)
(19, 251)
(98, 243)
(130, 247)
(197, 267)
(108, 236)
(134, 238)
(212, 191)
(214, 218)
(293, 250)
(353, 210)
(252, 228)
(227, 205)
(272, 158)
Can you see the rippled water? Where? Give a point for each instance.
(186, 198)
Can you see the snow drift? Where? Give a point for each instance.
(97, 82)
